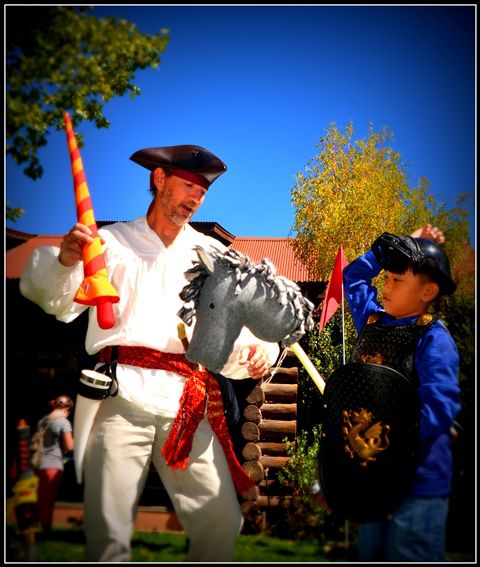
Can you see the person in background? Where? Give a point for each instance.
(57, 443)
(417, 273)
(157, 414)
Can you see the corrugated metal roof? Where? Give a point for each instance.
(464, 269)
(279, 251)
(22, 244)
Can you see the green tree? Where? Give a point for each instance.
(63, 58)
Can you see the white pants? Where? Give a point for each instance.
(123, 442)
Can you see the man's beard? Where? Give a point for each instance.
(175, 215)
(177, 218)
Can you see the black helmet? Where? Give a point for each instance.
(397, 253)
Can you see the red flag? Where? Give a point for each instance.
(333, 296)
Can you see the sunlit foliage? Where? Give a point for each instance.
(62, 58)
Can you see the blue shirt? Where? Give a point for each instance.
(436, 361)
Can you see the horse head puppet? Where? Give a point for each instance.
(227, 292)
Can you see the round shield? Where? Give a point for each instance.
(369, 440)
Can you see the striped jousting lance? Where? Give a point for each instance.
(96, 289)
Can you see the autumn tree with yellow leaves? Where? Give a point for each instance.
(352, 191)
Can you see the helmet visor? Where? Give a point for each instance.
(396, 253)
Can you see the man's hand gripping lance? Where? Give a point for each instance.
(96, 289)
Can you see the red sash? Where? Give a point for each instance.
(193, 403)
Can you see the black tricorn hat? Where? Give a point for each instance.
(200, 166)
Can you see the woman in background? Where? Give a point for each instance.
(57, 442)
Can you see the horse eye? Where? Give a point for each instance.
(212, 305)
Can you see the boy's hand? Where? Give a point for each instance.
(430, 232)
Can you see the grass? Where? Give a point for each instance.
(67, 545)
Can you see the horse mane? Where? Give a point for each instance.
(286, 291)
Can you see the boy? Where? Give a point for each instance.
(417, 273)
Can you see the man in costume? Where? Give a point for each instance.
(167, 410)
(406, 336)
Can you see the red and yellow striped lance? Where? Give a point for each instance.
(96, 289)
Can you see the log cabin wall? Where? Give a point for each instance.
(270, 417)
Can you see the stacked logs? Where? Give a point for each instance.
(270, 417)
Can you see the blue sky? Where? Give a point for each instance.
(259, 86)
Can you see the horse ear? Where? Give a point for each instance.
(204, 258)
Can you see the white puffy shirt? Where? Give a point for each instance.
(148, 277)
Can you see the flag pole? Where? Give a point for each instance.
(347, 525)
(343, 325)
